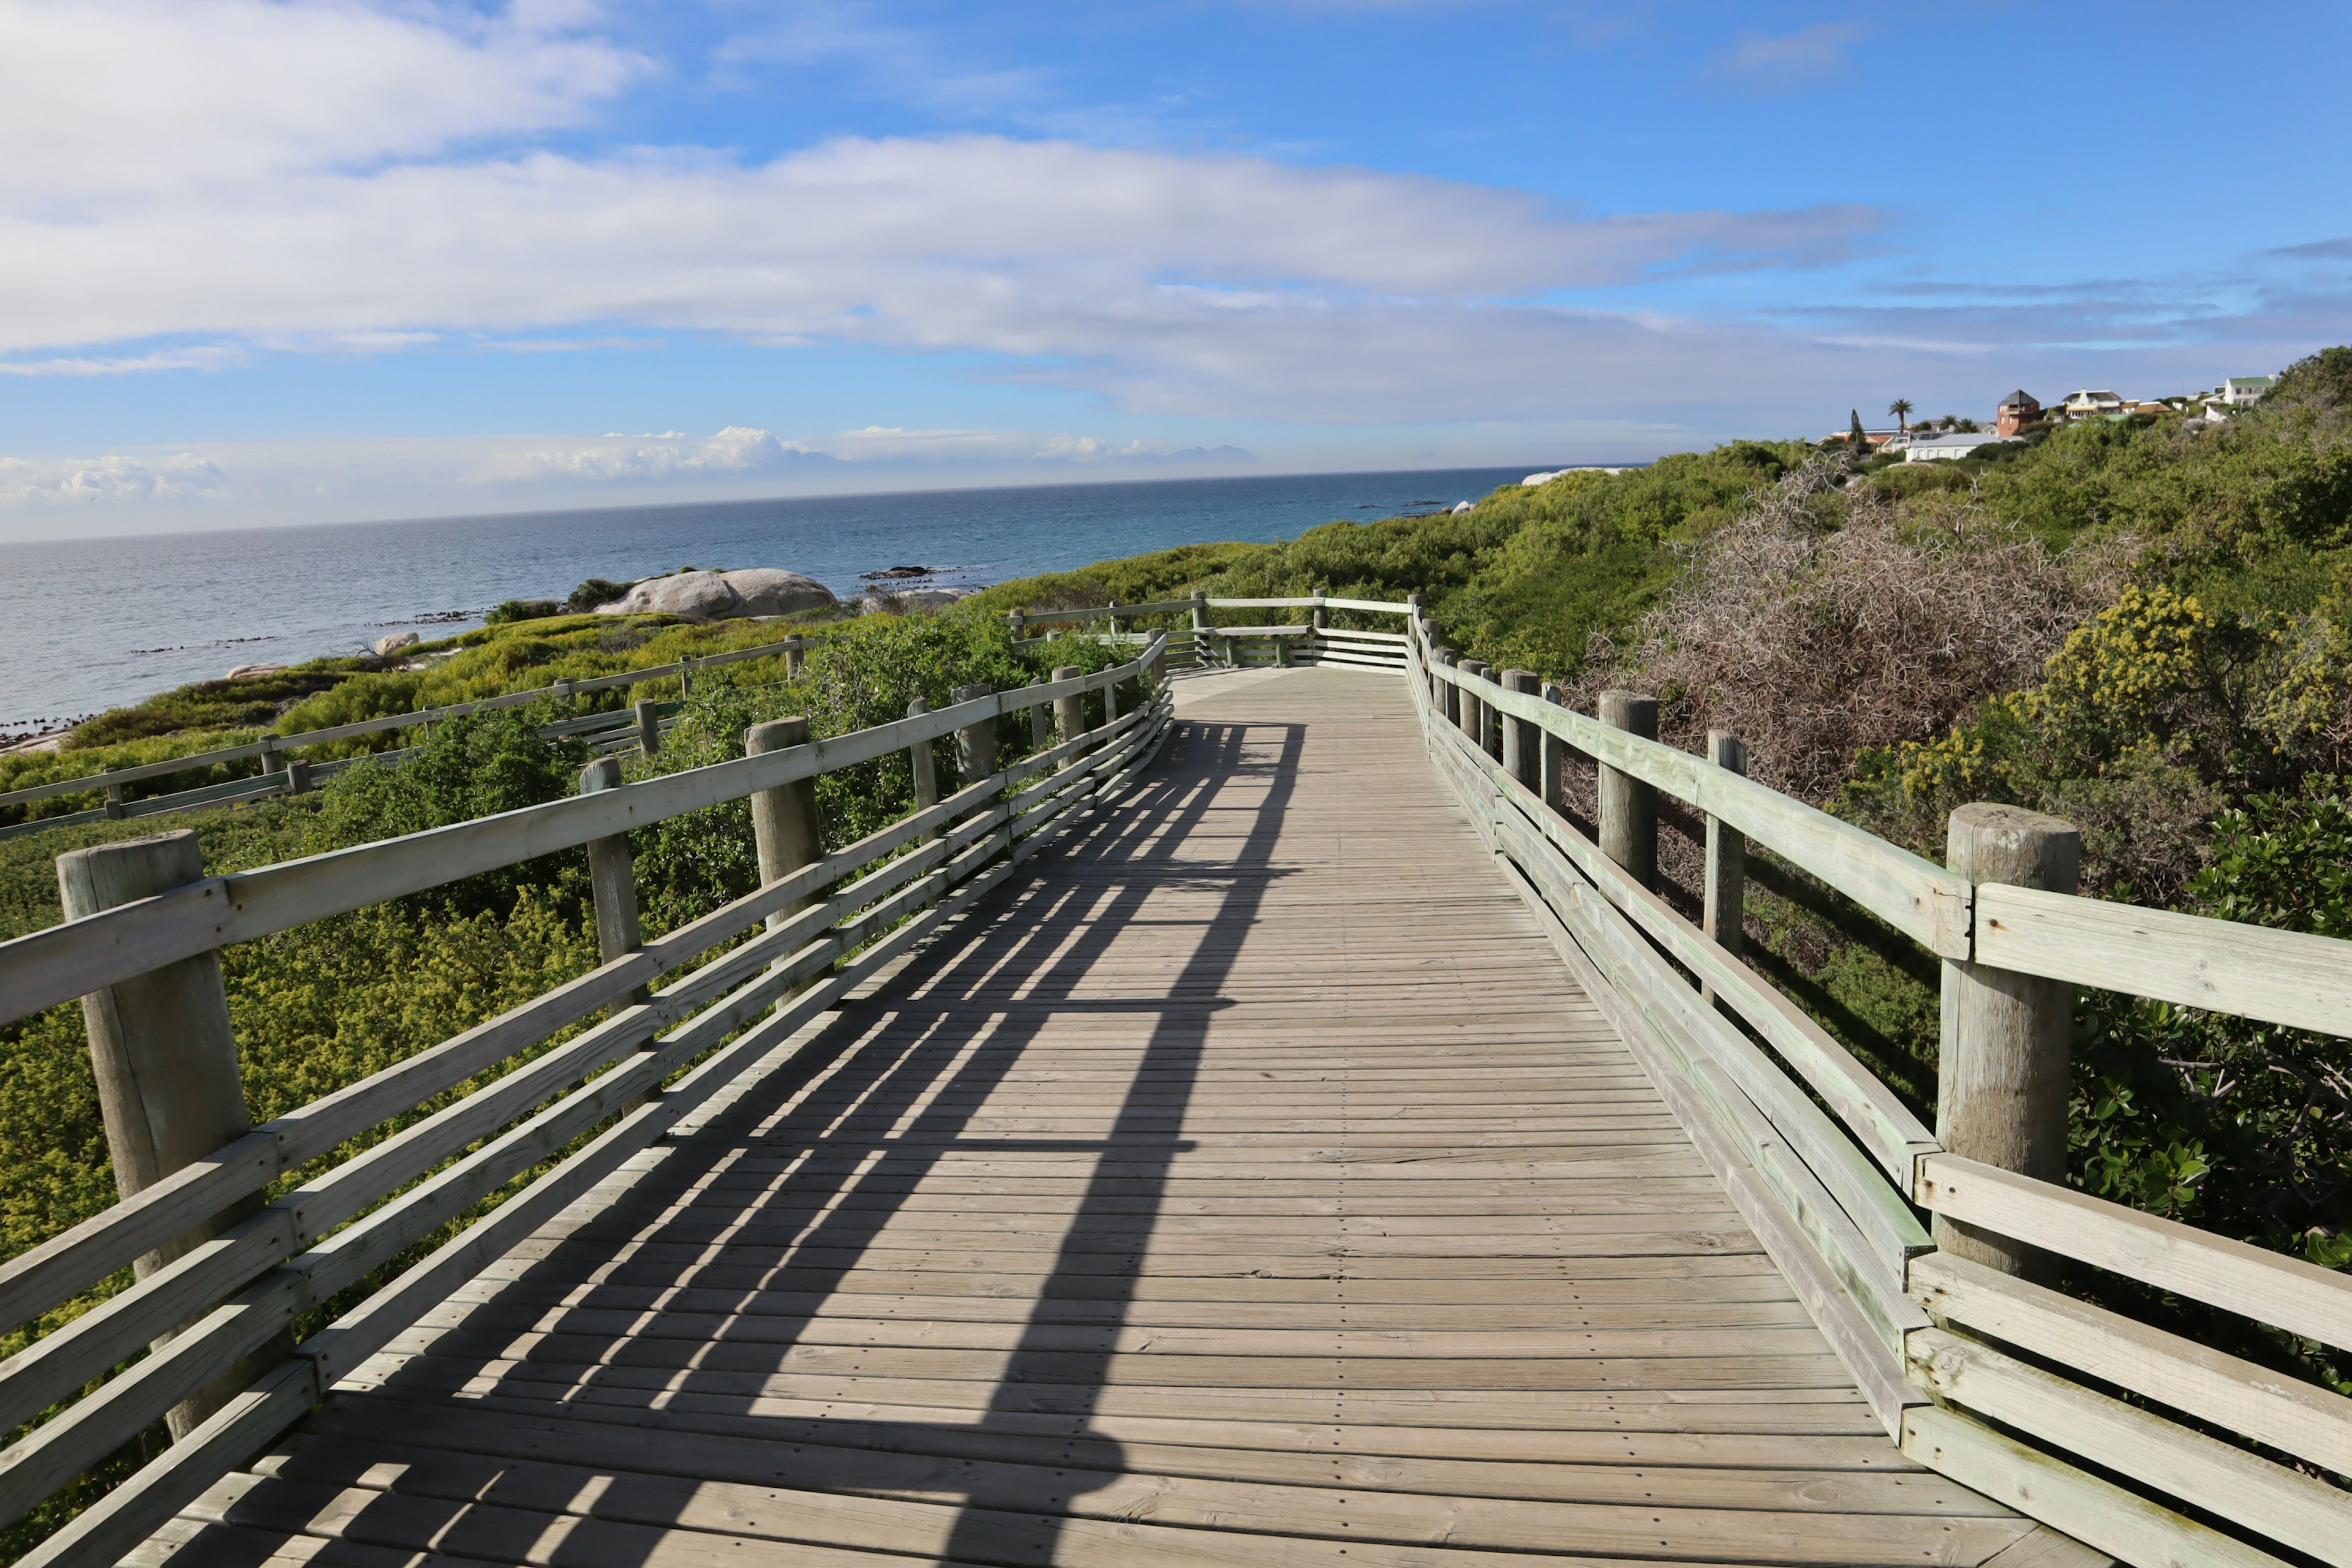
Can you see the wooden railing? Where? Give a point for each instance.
(233, 1273)
(285, 774)
(1976, 1370)
(1209, 645)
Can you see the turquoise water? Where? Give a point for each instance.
(91, 624)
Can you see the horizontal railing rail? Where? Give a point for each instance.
(736, 987)
(1827, 1164)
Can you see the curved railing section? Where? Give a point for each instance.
(688, 1019)
(1976, 1369)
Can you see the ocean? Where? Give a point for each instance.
(88, 624)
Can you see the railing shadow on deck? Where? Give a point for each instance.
(852, 1151)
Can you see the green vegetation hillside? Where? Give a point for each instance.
(2142, 624)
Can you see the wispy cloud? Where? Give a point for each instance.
(1768, 63)
(206, 356)
(184, 477)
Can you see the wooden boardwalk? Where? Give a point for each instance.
(1253, 1186)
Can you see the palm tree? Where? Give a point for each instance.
(1901, 409)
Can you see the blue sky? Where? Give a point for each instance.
(296, 262)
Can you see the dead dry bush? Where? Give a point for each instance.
(1821, 622)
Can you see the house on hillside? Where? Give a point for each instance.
(1950, 448)
(2019, 407)
(2238, 390)
(2086, 404)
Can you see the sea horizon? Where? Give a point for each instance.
(186, 605)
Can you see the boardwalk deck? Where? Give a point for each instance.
(1254, 1186)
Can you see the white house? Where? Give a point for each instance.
(1950, 449)
(2243, 389)
(2082, 404)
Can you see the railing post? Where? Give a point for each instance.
(1322, 616)
(795, 656)
(1478, 716)
(1016, 621)
(1629, 808)
(271, 761)
(1726, 906)
(1552, 763)
(926, 767)
(2001, 1077)
(783, 819)
(165, 1057)
(613, 876)
(1281, 652)
(1110, 615)
(1449, 696)
(1041, 724)
(114, 802)
(564, 693)
(1200, 609)
(1069, 713)
(297, 776)
(648, 726)
(976, 741)
(1520, 752)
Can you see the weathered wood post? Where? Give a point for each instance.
(272, 760)
(1111, 615)
(1322, 616)
(613, 876)
(1725, 908)
(1727, 852)
(795, 656)
(783, 818)
(564, 693)
(1016, 621)
(1281, 651)
(1629, 808)
(648, 726)
(1480, 719)
(976, 741)
(297, 776)
(1041, 724)
(1552, 763)
(1521, 753)
(1069, 713)
(114, 801)
(926, 767)
(1449, 696)
(2001, 1077)
(164, 1056)
(1467, 700)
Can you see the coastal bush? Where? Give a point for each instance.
(513, 610)
(594, 592)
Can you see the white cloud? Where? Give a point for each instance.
(100, 98)
(1788, 62)
(206, 356)
(736, 450)
(181, 477)
(1122, 258)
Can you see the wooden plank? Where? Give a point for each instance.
(2095, 1512)
(2269, 1287)
(2298, 1511)
(2310, 1423)
(2280, 976)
